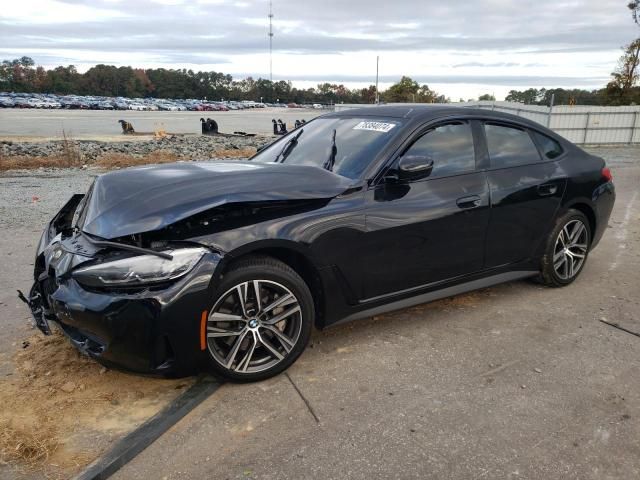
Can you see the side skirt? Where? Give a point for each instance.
(438, 294)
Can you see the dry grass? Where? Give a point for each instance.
(31, 163)
(245, 152)
(70, 151)
(72, 157)
(120, 160)
(26, 446)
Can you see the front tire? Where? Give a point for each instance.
(260, 322)
(567, 250)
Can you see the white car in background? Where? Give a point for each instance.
(51, 104)
(138, 107)
(168, 107)
(37, 103)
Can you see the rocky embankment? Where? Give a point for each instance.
(183, 146)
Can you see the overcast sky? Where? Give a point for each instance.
(461, 48)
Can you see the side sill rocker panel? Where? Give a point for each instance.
(438, 294)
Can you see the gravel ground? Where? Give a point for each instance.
(28, 199)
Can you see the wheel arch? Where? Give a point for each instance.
(585, 207)
(296, 257)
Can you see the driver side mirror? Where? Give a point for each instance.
(414, 167)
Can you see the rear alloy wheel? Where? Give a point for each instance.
(567, 250)
(261, 322)
(570, 249)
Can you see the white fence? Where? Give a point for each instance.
(584, 125)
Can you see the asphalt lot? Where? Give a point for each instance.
(515, 381)
(95, 124)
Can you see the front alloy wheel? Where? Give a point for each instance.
(262, 321)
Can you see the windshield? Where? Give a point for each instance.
(357, 142)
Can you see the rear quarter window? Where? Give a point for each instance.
(550, 148)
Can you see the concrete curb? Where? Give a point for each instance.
(135, 442)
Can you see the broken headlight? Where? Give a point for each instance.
(140, 270)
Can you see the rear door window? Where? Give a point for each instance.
(510, 146)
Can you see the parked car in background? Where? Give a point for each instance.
(167, 107)
(36, 102)
(98, 102)
(104, 105)
(6, 102)
(22, 103)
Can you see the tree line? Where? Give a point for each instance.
(22, 75)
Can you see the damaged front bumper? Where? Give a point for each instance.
(152, 329)
(34, 301)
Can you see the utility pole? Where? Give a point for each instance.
(553, 100)
(271, 47)
(377, 71)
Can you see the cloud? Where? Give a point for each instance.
(553, 40)
(498, 80)
(36, 13)
(486, 65)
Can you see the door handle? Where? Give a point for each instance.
(547, 189)
(472, 201)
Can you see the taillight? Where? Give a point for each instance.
(606, 174)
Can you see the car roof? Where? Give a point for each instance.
(430, 112)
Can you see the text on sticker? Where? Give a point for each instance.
(374, 126)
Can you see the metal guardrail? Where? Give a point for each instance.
(586, 131)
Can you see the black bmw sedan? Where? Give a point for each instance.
(228, 266)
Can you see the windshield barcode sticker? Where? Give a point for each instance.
(374, 126)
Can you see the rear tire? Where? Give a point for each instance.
(566, 250)
(248, 338)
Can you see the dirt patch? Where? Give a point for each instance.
(61, 410)
(235, 152)
(31, 163)
(118, 160)
(72, 158)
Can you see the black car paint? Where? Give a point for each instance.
(150, 198)
(364, 246)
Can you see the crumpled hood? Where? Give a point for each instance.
(143, 199)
